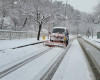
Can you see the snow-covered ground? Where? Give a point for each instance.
(30, 70)
(5, 44)
(11, 57)
(74, 65)
(94, 40)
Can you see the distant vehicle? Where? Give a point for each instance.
(79, 36)
(59, 37)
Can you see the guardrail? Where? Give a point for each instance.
(8, 34)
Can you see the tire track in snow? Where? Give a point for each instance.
(14, 67)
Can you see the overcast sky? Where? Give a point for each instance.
(83, 5)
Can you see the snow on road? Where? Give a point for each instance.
(74, 65)
(10, 57)
(13, 56)
(28, 71)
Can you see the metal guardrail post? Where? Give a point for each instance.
(10, 35)
(26, 35)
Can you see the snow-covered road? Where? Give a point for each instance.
(74, 66)
(11, 57)
(28, 71)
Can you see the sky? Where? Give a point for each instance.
(83, 5)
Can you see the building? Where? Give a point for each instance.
(98, 35)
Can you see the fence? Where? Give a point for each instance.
(7, 34)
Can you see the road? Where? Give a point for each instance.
(93, 55)
(38, 62)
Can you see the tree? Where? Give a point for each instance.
(4, 12)
(39, 18)
(15, 21)
(40, 14)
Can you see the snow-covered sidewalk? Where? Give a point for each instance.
(94, 41)
(5, 44)
(74, 65)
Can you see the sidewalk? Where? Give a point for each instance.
(5, 44)
(95, 42)
(74, 65)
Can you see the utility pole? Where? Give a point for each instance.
(66, 17)
(49, 20)
(65, 8)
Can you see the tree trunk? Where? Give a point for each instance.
(2, 24)
(40, 26)
(24, 23)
